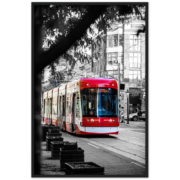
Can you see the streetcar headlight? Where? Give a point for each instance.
(113, 119)
(87, 119)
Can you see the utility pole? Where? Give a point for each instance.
(103, 67)
(104, 56)
(99, 61)
(118, 89)
(127, 93)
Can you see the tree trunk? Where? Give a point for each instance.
(36, 124)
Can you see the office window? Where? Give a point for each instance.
(134, 60)
(134, 76)
(135, 42)
(121, 40)
(112, 58)
(113, 40)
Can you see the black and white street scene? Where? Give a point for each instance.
(90, 113)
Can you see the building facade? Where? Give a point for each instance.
(122, 51)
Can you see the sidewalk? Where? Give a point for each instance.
(134, 124)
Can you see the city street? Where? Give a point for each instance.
(89, 83)
(122, 154)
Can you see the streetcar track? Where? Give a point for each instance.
(137, 164)
(117, 149)
(123, 153)
(132, 142)
(129, 142)
(93, 145)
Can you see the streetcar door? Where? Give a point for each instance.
(50, 110)
(59, 111)
(74, 112)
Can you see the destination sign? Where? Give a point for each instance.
(101, 90)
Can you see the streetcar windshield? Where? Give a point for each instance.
(99, 102)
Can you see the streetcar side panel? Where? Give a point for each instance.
(49, 114)
(61, 107)
(68, 108)
(54, 106)
(58, 109)
(79, 129)
(72, 107)
(45, 107)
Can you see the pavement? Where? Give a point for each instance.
(49, 167)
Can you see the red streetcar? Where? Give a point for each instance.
(86, 106)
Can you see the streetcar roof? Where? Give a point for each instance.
(98, 82)
(93, 82)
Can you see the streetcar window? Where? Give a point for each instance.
(99, 102)
(47, 108)
(77, 106)
(63, 106)
(44, 107)
(50, 105)
(59, 106)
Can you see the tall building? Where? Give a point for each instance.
(134, 63)
(122, 47)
